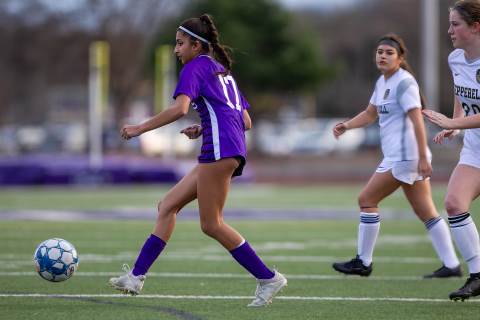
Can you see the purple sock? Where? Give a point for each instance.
(150, 251)
(245, 255)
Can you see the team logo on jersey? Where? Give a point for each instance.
(382, 109)
(387, 92)
(478, 75)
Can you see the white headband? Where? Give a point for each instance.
(194, 34)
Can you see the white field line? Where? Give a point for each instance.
(230, 276)
(206, 297)
(96, 258)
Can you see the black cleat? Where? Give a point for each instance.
(444, 272)
(471, 288)
(354, 266)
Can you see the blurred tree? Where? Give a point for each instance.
(128, 27)
(273, 59)
(44, 50)
(351, 47)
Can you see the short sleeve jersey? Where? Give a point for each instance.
(393, 98)
(466, 80)
(220, 105)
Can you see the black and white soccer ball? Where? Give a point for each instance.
(55, 259)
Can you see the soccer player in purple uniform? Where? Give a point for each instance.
(206, 83)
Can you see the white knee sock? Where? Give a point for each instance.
(367, 236)
(442, 242)
(466, 237)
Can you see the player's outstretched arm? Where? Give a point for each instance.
(177, 110)
(447, 133)
(361, 120)
(456, 123)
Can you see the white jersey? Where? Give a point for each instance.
(393, 98)
(466, 79)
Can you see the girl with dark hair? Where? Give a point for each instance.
(206, 83)
(464, 185)
(397, 102)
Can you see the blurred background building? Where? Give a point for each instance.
(303, 65)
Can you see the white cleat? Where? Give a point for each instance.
(267, 289)
(128, 283)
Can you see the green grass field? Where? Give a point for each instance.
(196, 279)
(241, 196)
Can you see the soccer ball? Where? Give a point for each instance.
(55, 259)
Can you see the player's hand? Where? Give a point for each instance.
(193, 131)
(424, 168)
(449, 134)
(130, 131)
(439, 119)
(339, 129)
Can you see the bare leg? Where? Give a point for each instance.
(420, 197)
(181, 194)
(213, 184)
(184, 192)
(212, 189)
(463, 188)
(378, 188)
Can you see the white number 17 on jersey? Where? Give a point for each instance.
(228, 80)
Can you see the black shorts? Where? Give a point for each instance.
(241, 164)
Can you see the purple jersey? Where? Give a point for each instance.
(220, 105)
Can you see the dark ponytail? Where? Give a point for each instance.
(397, 42)
(220, 52)
(205, 28)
